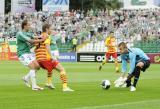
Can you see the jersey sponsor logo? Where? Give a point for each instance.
(157, 59)
(94, 57)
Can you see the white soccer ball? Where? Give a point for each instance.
(106, 84)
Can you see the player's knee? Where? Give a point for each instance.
(36, 66)
(31, 66)
(140, 64)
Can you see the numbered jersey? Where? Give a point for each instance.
(41, 50)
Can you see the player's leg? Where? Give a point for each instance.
(114, 55)
(47, 65)
(136, 75)
(107, 55)
(25, 78)
(34, 66)
(49, 83)
(63, 77)
(142, 65)
(128, 81)
(28, 60)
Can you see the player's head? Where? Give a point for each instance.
(123, 48)
(111, 34)
(46, 28)
(26, 25)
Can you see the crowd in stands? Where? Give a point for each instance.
(89, 26)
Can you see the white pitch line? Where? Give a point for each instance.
(117, 105)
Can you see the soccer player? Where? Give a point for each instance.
(43, 56)
(24, 42)
(110, 43)
(55, 56)
(54, 47)
(139, 61)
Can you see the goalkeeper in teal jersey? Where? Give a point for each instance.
(139, 61)
(25, 40)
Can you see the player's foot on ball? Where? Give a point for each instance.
(26, 81)
(37, 88)
(132, 89)
(67, 89)
(50, 86)
(100, 67)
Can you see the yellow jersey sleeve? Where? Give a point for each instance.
(47, 41)
(107, 40)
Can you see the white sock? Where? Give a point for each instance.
(33, 78)
(27, 76)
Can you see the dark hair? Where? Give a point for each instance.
(122, 44)
(24, 23)
(111, 32)
(45, 26)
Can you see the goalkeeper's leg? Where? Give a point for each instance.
(136, 76)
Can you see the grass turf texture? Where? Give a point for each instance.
(85, 79)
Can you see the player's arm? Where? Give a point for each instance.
(48, 48)
(132, 57)
(28, 39)
(39, 40)
(124, 64)
(120, 80)
(106, 42)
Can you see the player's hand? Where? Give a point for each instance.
(118, 80)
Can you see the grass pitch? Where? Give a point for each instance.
(85, 79)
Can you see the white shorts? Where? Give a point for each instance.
(55, 54)
(27, 59)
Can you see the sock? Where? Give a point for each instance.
(103, 62)
(136, 76)
(128, 81)
(27, 76)
(33, 78)
(49, 78)
(63, 78)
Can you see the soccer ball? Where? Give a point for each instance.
(106, 84)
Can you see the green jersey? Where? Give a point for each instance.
(23, 46)
(53, 43)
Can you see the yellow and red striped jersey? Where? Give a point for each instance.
(110, 43)
(41, 50)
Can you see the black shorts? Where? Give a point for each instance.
(146, 64)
